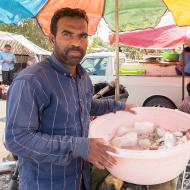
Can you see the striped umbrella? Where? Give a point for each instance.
(133, 14)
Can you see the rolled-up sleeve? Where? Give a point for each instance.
(22, 135)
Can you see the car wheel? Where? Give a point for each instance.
(159, 102)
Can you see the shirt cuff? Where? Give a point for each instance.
(119, 106)
(80, 147)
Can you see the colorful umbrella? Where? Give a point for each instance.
(133, 14)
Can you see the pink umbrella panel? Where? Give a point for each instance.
(166, 37)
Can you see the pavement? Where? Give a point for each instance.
(3, 151)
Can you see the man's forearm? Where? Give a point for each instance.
(99, 107)
(45, 148)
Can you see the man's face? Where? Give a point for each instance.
(7, 49)
(71, 40)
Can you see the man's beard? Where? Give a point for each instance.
(69, 59)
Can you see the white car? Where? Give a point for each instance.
(163, 89)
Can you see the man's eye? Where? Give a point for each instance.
(67, 35)
(83, 37)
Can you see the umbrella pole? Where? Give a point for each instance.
(117, 49)
(183, 74)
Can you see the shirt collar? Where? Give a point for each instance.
(59, 67)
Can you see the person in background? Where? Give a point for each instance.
(186, 61)
(32, 59)
(7, 60)
(48, 113)
(185, 106)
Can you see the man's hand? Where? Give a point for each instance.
(129, 108)
(98, 155)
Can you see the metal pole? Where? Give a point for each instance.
(183, 74)
(117, 49)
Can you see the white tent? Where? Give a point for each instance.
(20, 45)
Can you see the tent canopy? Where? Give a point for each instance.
(20, 45)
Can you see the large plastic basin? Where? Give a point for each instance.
(146, 167)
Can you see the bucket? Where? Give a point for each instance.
(145, 167)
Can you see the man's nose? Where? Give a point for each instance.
(76, 41)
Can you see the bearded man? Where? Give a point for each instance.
(48, 113)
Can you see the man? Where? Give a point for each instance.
(186, 67)
(7, 60)
(185, 106)
(48, 111)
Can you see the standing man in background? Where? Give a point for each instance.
(7, 60)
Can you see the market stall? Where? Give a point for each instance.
(21, 48)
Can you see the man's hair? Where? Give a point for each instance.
(187, 49)
(7, 46)
(66, 12)
(188, 88)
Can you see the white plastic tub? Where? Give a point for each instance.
(146, 167)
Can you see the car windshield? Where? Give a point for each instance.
(95, 66)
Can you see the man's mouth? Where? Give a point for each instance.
(74, 53)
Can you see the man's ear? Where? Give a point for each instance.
(52, 40)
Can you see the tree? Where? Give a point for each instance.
(29, 29)
(96, 43)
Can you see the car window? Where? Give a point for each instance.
(95, 66)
